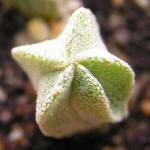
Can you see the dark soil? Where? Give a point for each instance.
(126, 31)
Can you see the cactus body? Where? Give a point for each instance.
(79, 84)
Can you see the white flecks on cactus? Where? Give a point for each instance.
(79, 84)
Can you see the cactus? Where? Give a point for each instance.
(47, 9)
(79, 84)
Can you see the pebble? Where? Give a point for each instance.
(2, 146)
(116, 20)
(145, 4)
(118, 3)
(3, 95)
(122, 36)
(12, 78)
(38, 29)
(22, 100)
(113, 148)
(145, 106)
(16, 134)
(117, 139)
(107, 148)
(136, 134)
(6, 116)
(120, 148)
(30, 127)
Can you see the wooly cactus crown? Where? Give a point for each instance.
(79, 84)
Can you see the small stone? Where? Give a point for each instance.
(145, 4)
(30, 128)
(16, 134)
(117, 139)
(3, 95)
(24, 110)
(118, 3)
(136, 134)
(11, 78)
(119, 148)
(122, 36)
(107, 148)
(22, 100)
(38, 29)
(2, 146)
(116, 20)
(145, 106)
(5, 116)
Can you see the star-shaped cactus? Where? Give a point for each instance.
(79, 84)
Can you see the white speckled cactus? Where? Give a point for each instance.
(79, 84)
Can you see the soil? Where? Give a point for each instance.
(125, 27)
